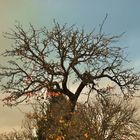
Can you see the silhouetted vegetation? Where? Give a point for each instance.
(106, 118)
(45, 60)
(43, 63)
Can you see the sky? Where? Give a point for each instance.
(123, 16)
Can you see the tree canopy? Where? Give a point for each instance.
(45, 60)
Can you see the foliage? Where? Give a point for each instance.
(104, 119)
(46, 60)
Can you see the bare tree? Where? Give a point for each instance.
(113, 119)
(45, 60)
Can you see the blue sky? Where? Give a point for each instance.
(123, 16)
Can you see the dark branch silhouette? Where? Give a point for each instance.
(46, 59)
